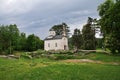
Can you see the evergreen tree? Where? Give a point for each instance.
(77, 39)
(88, 37)
(59, 29)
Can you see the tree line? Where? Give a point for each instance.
(12, 40)
(85, 39)
(79, 40)
(109, 24)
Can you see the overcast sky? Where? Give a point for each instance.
(38, 16)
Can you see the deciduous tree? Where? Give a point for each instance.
(109, 12)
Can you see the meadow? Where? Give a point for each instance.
(50, 69)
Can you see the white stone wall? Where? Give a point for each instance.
(52, 44)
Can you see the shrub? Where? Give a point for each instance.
(26, 56)
(39, 52)
(64, 56)
(69, 53)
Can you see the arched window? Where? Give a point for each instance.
(48, 44)
(55, 44)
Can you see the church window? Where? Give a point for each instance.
(48, 44)
(55, 44)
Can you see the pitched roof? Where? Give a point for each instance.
(51, 29)
(54, 37)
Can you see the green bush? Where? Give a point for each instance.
(60, 56)
(69, 53)
(64, 56)
(59, 52)
(26, 56)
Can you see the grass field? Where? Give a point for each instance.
(46, 69)
(102, 57)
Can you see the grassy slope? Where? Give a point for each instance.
(93, 56)
(102, 57)
(44, 69)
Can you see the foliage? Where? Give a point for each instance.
(70, 43)
(26, 56)
(88, 34)
(109, 12)
(99, 43)
(59, 29)
(77, 39)
(34, 43)
(11, 39)
(104, 8)
(22, 42)
(63, 56)
(39, 51)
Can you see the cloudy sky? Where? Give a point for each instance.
(38, 16)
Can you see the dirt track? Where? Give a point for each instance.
(89, 61)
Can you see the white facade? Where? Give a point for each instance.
(55, 42)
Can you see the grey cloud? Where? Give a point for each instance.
(38, 16)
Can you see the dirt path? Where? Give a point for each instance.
(89, 61)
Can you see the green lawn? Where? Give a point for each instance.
(45, 69)
(102, 57)
(99, 56)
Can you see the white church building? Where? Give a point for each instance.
(56, 42)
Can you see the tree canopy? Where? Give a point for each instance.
(34, 43)
(77, 39)
(11, 39)
(109, 12)
(88, 37)
(59, 29)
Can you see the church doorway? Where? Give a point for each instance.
(65, 47)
